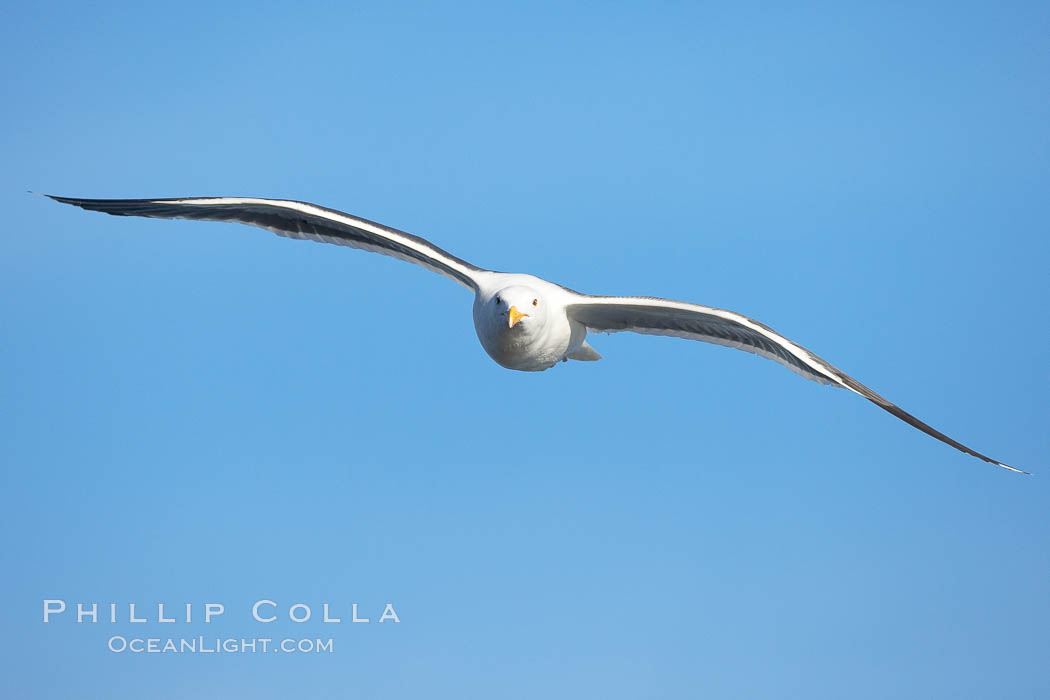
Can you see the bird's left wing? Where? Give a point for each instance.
(654, 316)
(295, 220)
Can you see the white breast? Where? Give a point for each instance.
(530, 346)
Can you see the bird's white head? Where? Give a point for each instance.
(521, 323)
(518, 308)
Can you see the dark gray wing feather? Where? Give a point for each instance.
(294, 220)
(654, 316)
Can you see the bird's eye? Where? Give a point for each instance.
(535, 302)
(498, 301)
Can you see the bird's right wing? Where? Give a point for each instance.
(295, 220)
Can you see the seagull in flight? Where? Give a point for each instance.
(524, 322)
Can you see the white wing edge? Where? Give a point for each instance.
(824, 372)
(423, 249)
(428, 249)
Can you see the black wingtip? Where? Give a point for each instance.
(64, 200)
(1013, 469)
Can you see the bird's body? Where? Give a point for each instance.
(523, 322)
(544, 337)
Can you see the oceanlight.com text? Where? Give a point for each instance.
(218, 645)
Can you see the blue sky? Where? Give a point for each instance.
(208, 413)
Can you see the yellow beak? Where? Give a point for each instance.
(513, 316)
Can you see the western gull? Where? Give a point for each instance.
(524, 322)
